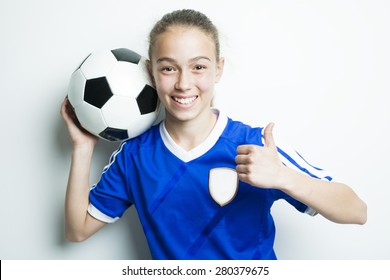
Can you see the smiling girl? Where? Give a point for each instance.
(170, 172)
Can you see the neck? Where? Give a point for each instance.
(189, 134)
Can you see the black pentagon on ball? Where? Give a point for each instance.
(97, 92)
(147, 100)
(126, 55)
(114, 134)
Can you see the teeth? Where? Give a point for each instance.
(184, 101)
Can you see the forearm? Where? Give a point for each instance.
(77, 195)
(335, 201)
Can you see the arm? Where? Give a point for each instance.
(79, 225)
(261, 167)
(333, 200)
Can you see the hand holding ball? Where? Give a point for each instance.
(112, 95)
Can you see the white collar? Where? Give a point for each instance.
(202, 148)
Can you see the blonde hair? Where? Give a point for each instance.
(185, 17)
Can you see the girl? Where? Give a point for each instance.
(170, 172)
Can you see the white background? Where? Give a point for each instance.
(319, 69)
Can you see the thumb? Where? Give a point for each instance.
(268, 136)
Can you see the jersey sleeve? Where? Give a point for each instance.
(110, 197)
(301, 207)
(292, 159)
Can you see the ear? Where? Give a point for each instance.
(220, 66)
(150, 72)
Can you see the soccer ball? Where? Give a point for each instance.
(112, 95)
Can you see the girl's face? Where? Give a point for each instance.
(185, 69)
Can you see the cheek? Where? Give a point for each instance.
(205, 83)
(163, 84)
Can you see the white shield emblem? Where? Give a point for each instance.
(223, 185)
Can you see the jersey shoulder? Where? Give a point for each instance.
(239, 133)
(146, 139)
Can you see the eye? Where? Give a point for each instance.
(167, 69)
(199, 67)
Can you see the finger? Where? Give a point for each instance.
(268, 136)
(68, 113)
(64, 106)
(245, 149)
(243, 159)
(242, 169)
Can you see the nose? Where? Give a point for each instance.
(184, 81)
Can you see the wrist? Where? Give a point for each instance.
(286, 179)
(296, 184)
(84, 149)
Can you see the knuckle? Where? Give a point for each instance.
(251, 148)
(250, 160)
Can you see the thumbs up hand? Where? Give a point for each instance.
(260, 166)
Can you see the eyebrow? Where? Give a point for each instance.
(169, 59)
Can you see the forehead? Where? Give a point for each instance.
(181, 41)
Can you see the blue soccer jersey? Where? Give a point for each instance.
(170, 189)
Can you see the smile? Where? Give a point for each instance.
(185, 101)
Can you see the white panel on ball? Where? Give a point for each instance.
(98, 65)
(120, 112)
(76, 86)
(126, 79)
(123, 112)
(90, 117)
